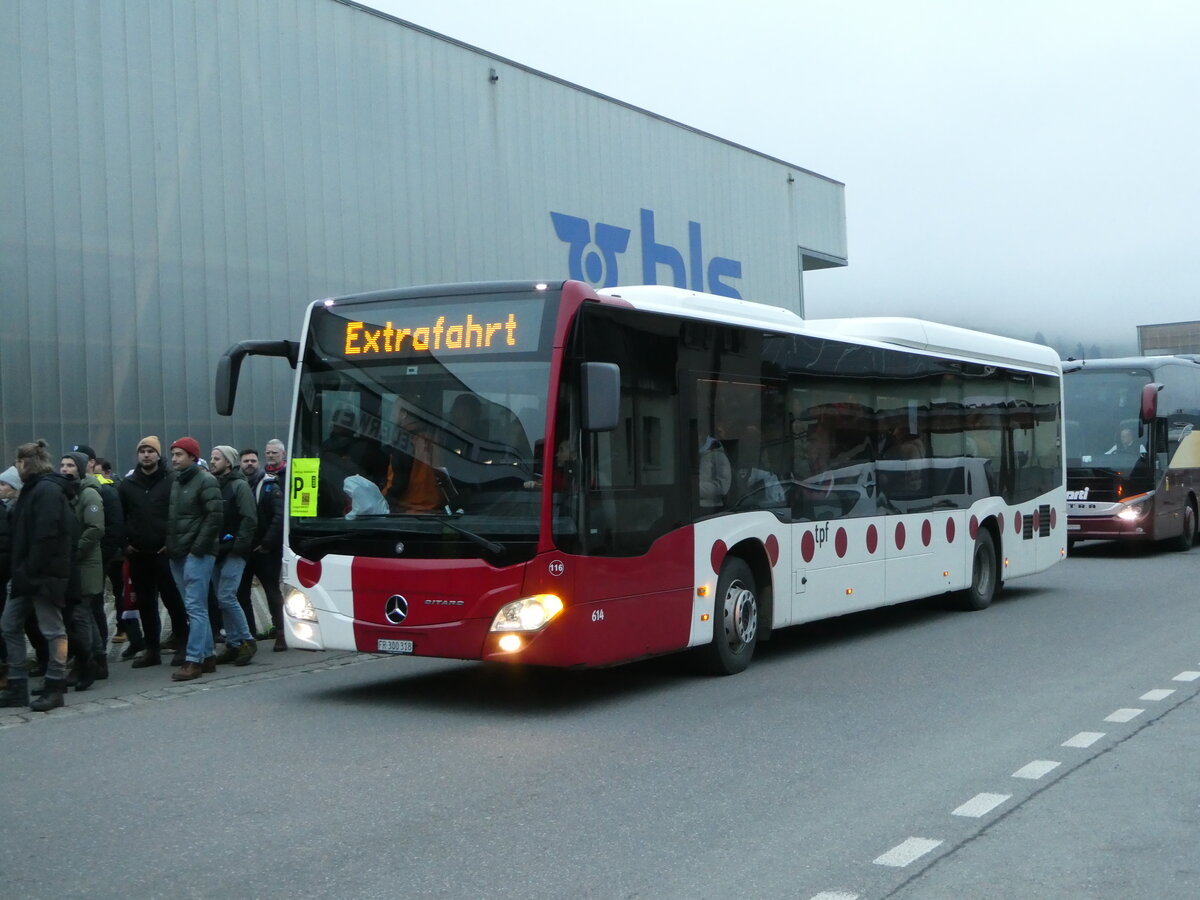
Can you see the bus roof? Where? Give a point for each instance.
(1131, 362)
(913, 334)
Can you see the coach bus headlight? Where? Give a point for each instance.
(1135, 508)
(299, 607)
(527, 614)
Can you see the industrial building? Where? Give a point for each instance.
(1169, 338)
(179, 175)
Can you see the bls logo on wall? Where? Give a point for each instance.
(592, 255)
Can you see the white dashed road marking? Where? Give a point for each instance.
(835, 895)
(1036, 769)
(1186, 676)
(903, 854)
(980, 805)
(1124, 715)
(1157, 694)
(1083, 739)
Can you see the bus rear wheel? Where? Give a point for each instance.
(1185, 540)
(984, 577)
(735, 621)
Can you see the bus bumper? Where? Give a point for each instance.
(1108, 528)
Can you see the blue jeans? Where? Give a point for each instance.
(226, 576)
(192, 574)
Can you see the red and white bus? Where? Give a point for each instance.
(1133, 452)
(547, 474)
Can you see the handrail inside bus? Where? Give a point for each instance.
(230, 365)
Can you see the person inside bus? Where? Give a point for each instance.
(716, 474)
(411, 485)
(1127, 444)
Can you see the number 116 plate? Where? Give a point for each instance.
(388, 646)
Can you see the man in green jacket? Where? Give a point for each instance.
(193, 529)
(88, 507)
(239, 519)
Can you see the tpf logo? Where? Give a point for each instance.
(594, 259)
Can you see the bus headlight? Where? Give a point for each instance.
(1135, 508)
(527, 614)
(299, 607)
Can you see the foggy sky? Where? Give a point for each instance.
(1014, 166)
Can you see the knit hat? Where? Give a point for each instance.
(81, 462)
(10, 477)
(150, 440)
(85, 450)
(188, 445)
(229, 453)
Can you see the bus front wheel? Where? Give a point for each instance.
(735, 620)
(984, 577)
(1185, 540)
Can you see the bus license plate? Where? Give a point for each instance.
(386, 646)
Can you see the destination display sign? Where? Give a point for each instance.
(406, 330)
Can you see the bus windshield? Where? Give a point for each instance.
(420, 426)
(1103, 429)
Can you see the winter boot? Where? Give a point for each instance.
(208, 665)
(187, 672)
(52, 696)
(280, 642)
(246, 653)
(229, 654)
(72, 676)
(149, 658)
(100, 667)
(16, 694)
(84, 673)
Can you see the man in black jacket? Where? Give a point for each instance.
(265, 561)
(145, 500)
(42, 556)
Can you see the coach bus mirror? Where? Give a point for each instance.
(1150, 402)
(229, 366)
(601, 396)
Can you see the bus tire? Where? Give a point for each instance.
(984, 574)
(1183, 542)
(735, 620)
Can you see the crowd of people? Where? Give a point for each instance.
(189, 530)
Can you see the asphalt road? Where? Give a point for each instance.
(1042, 748)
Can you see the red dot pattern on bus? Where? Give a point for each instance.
(949, 531)
(718, 555)
(1037, 520)
(773, 549)
(872, 539)
(808, 546)
(1017, 523)
(899, 535)
(308, 573)
(839, 542)
(973, 530)
(926, 533)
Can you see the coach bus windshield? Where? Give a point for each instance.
(1102, 418)
(419, 428)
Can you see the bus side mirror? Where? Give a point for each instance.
(1149, 411)
(229, 366)
(601, 396)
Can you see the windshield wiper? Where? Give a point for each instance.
(488, 545)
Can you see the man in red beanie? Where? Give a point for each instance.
(193, 529)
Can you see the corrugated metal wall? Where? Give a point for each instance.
(179, 175)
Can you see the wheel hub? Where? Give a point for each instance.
(741, 615)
